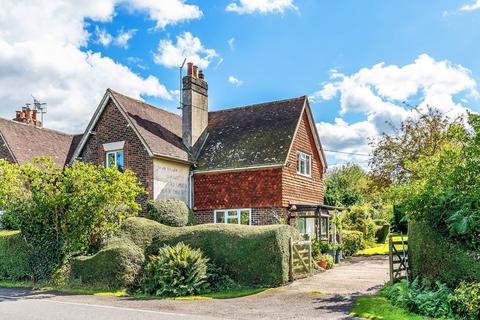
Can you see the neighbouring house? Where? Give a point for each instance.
(257, 164)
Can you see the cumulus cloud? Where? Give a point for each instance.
(471, 6)
(105, 39)
(378, 93)
(261, 6)
(45, 59)
(171, 54)
(234, 81)
(123, 37)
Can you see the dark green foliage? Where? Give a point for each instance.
(14, 258)
(175, 271)
(466, 301)
(358, 217)
(434, 256)
(422, 298)
(382, 233)
(353, 241)
(172, 212)
(218, 279)
(117, 265)
(346, 185)
(399, 220)
(8, 221)
(250, 255)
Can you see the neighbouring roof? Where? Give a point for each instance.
(27, 142)
(161, 130)
(256, 135)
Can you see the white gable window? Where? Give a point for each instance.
(115, 159)
(304, 164)
(235, 216)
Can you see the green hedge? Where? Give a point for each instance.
(434, 256)
(353, 241)
(382, 233)
(14, 263)
(250, 255)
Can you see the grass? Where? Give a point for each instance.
(377, 307)
(6, 233)
(227, 294)
(381, 249)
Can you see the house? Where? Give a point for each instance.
(248, 165)
(23, 139)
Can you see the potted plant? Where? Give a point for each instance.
(331, 250)
(322, 261)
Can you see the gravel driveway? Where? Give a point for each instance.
(329, 295)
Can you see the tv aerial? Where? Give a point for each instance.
(41, 107)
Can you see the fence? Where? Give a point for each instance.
(300, 259)
(399, 268)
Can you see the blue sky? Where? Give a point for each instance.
(280, 49)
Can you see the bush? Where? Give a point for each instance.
(382, 233)
(352, 242)
(358, 218)
(329, 260)
(173, 213)
(434, 256)
(218, 279)
(250, 255)
(14, 259)
(176, 271)
(466, 301)
(8, 221)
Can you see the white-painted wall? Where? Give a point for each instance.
(170, 180)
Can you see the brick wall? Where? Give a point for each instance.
(112, 127)
(297, 188)
(260, 188)
(260, 216)
(4, 152)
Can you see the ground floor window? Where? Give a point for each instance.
(235, 216)
(306, 226)
(324, 227)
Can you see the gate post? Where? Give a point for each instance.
(291, 259)
(390, 257)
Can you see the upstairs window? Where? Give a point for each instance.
(304, 164)
(235, 216)
(115, 159)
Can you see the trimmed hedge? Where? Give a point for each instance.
(353, 241)
(14, 261)
(250, 255)
(172, 212)
(434, 256)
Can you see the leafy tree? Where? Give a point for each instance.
(346, 185)
(417, 137)
(62, 213)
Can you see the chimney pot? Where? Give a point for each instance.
(190, 69)
(195, 71)
(200, 74)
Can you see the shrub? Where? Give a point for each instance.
(433, 256)
(8, 221)
(466, 301)
(14, 259)
(352, 242)
(329, 260)
(218, 279)
(173, 213)
(358, 218)
(382, 233)
(176, 271)
(250, 255)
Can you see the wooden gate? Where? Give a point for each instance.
(300, 259)
(399, 268)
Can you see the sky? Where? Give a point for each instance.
(363, 64)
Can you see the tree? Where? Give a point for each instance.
(417, 137)
(62, 213)
(346, 185)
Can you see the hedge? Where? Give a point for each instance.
(353, 241)
(434, 256)
(382, 233)
(14, 262)
(251, 255)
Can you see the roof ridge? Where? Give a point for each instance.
(40, 128)
(260, 104)
(143, 103)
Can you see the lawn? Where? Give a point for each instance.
(381, 249)
(377, 307)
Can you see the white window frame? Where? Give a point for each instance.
(302, 159)
(226, 215)
(114, 152)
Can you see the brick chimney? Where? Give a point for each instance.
(28, 116)
(195, 105)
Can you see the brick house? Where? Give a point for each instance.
(248, 165)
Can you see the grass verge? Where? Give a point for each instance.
(380, 249)
(378, 307)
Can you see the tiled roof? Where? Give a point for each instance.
(27, 142)
(257, 135)
(160, 129)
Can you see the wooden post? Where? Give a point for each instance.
(310, 262)
(291, 259)
(390, 246)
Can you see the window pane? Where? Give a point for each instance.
(300, 225)
(120, 162)
(220, 217)
(110, 163)
(245, 217)
(307, 165)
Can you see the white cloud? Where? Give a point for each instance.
(471, 6)
(261, 6)
(165, 12)
(45, 59)
(171, 55)
(234, 81)
(123, 37)
(378, 94)
(231, 43)
(103, 37)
